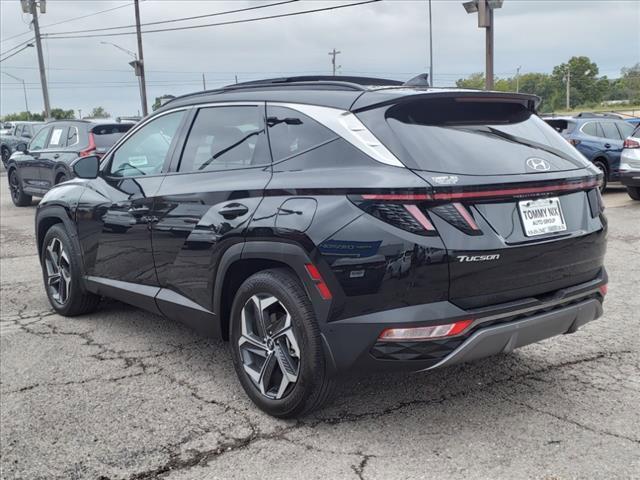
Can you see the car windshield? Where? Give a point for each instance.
(475, 137)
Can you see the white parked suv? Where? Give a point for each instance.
(630, 164)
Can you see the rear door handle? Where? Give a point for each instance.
(233, 210)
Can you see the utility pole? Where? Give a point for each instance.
(430, 48)
(485, 9)
(80, 114)
(24, 88)
(204, 83)
(518, 78)
(333, 54)
(140, 61)
(568, 80)
(32, 7)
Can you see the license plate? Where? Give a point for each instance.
(540, 217)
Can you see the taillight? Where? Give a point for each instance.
(413, 334)
(459, 216)
(404, 215)
(91, 148)
(630, 143)
(603, 289)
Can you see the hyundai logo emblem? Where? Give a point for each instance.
(538, 164)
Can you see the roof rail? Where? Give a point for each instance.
(354, 83)
(598, 115)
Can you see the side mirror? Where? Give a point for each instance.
(86, 167)
(22, 148)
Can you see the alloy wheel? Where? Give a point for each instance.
(269, 350)
(58, 270)
(14, 186)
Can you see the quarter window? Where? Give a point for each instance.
(591, 128)
(626, 129)
(72, 136)
(291, 132)
(144, 153)
(40, 140)
(224, 138)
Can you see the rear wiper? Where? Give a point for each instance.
(527, 143)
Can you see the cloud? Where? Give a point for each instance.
(389, 39)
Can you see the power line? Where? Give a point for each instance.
(177, 19)
(231, 22)
(17, 46)
(15, 53)
(69, 20)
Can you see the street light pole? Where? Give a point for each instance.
(43, 77)
(518, 78)
(24, 88)
(484, 9)
(136, 67)
(430, 47)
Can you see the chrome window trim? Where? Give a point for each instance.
(349, 127)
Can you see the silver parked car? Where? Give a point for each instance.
(21, 132)
(630, 164)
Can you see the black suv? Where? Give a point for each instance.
(47, 159)
(330, 224)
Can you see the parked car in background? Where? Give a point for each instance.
(6, 128)
(20, 133)
(633, 121)
(599, 137)
(326, 224)
(630, 164)
(47, 159)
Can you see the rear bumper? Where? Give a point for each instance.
(352, 344)
(630, 178)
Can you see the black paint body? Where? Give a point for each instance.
(164, 242)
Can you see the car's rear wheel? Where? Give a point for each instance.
(5, 155)
(601, 165)
(276, 345)
(18, 197)
(61, 178)
(634, 192)
(61, 272)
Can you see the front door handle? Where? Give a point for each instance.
(233, 210)
(57, 155)
(607, 145)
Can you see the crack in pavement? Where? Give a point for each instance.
(359, 469)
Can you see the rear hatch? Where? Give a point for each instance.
(106, 135)
(516, 206)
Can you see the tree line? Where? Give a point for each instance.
(587, 88)
(56, 113)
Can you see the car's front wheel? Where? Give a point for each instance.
(276, 345)
(6, 153)
(61, 271)
(634, 192)
(18, 197)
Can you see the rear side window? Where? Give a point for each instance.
(105, 136)
(593, 129)
(72, 136)
(469, 135)
(291, 132)
(224, 138)
(610, 130)
(18, 131)
(58, 137)
(626, 129)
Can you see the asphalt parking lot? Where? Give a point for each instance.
(123, 394)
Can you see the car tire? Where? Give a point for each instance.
(284, 374)
(6, 154)
(62, 272)
(602, 166)
(634, 192)
(18, 197)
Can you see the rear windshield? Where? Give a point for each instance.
(105, 136)
(471, 136)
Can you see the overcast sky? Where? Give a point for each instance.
(388, 38)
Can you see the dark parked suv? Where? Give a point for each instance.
(324, 225)
(47, 159)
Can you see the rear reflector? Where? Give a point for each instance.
(322, 287)
(420, 217)
(466, 215)
(424, 333)
(603, 289)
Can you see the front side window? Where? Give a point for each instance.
(144, 153)
(40, 140)
(291, 132)
(18, 131)
(224, 138)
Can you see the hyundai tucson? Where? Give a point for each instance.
(324, 225)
